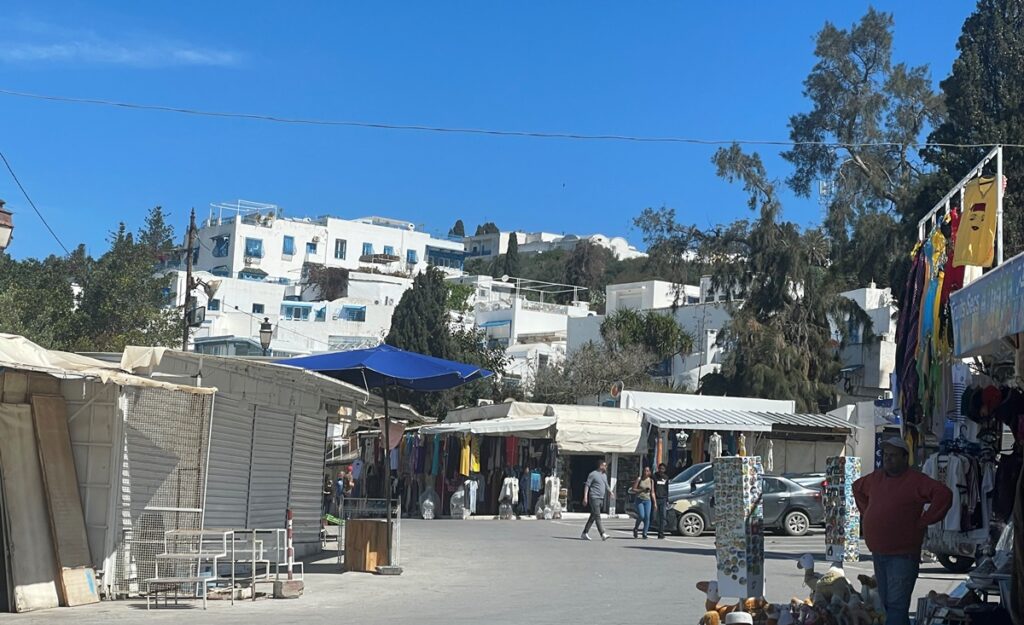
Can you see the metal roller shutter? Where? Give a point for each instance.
(271, 468)
(227, 489)
(307, 477)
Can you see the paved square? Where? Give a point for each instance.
(499, 572)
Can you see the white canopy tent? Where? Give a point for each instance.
(577, 429)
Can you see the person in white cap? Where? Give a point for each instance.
(893, 516)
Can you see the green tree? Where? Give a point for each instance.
(655, 332)
(459, 229)
(587, 265)
(422, 323)
(877, 110)
(157, 236)
(511, 264)
(123, 302)
(487, 228)
(779, 342)
(984, 97)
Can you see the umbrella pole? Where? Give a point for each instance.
(390, 568)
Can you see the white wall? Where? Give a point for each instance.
(326, 231)
(644, 399)
(377, 294)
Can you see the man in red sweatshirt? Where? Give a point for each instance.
(892, 505)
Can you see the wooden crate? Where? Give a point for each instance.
(366, 545)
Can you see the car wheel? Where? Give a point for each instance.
(796, 523)
(956, 564)
(691, 524)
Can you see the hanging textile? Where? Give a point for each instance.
(769, 463)
(698, 447)
(715, 446)
(474, 455)
(741, 444)
(395, 433)
(464, 456)
(435, 461)
(976, 235)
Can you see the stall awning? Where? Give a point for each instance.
(17, 352)
(739, 420)
(694, 419)
(523, 427)
(988, 310)
(578, 429)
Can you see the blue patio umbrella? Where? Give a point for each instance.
(385, 366)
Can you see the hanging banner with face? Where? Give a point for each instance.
(976, 236)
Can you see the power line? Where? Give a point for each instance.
(535, 134)
(33, 204)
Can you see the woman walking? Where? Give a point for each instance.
(643, 488)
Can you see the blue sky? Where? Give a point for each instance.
(709, 70)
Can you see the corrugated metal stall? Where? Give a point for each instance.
(268, 439)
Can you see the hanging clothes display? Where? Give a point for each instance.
(741, 444)
(715, 446)
(769, 463)
(977, 232)
(474, 455)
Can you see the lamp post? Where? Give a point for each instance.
(266, 333)
(6, 227)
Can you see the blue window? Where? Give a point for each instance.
(367, 249)
(213, 305)
(340, 248)
(389, 250)
(311, 248)
(321, 314)
(288, 246)
(220, 246)
(411, 257)
(257, 309)
(353, 313)
(247, 274)
(221, 270)
(295, 313)
(195, 256)
(253, 247)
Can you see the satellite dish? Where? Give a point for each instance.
(616, 389)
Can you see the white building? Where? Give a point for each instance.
(868, 363)
(703, 311)
(256, 242)
(495, 244)
(513, 316)
(259, 263)
(303, 323)
(700, 311)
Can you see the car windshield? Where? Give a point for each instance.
(688, 474)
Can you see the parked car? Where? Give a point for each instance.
(816, 481)
(692, 478)
(788, 507)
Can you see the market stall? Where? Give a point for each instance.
(541, 452)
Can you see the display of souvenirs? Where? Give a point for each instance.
(739, 520)
(842, 518)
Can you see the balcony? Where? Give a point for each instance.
(379, 259)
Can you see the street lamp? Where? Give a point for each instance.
(6, 227)
(266, 333)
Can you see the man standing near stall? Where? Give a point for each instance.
(894, 519)
(661, 480)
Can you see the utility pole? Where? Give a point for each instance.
(189, 242)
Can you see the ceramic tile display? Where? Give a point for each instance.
(739, 520)
(842, 518)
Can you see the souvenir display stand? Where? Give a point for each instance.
(739, 520)
(842, 518)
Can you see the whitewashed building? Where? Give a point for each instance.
(252, 264)
(494, 244)
(512, 315)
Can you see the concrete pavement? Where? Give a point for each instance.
(500, 572)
